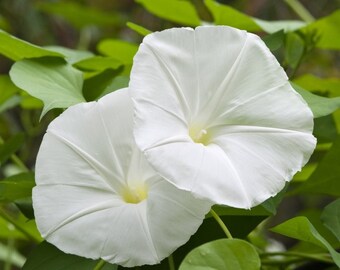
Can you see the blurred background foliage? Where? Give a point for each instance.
(113, 29)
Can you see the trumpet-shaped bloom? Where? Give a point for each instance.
(215, 114)
(97, 197)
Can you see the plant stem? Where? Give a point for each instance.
(100, 265)
(171, 263)
(19, 227)
(323, 257)
(300, 10)
(221, 223)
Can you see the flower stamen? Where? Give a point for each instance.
(199, 135)
(135, 194)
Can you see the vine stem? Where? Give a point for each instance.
(300, 10)
(171, 263)
(221, 223)
(100, 265)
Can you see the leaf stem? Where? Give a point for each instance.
(221, 223)
(171, 263)
(100, 265)
(300, 10)
(19, 227)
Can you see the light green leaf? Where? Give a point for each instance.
(98, 63)
(327, 28)
(326, 177)
(331, 217)
(226, 15)
(178, 11)
(274, 26)
(57, 84)
(300, 228)
(320, 106)
(7, 88)
(46, 256)
(139, 29)
(16, 187)
(233, 254)
(9, 253)
(17, 49)
(121, 50)
(71, 56)
(78, 15)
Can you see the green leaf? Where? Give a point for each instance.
(138, 29)
(178, 11)
(226, 15)
(274, 41)
(9, 253)
(71, 56)
(121, 50)
(7, 88)
(275, 26)
(57, 84)
(10, 146)
(78, 15)
(118, 82)
(327, 28)
(272, 203)
(294, 49)
(331, 217)
(326, 177)
(17, 49)
(233, 254)
(98, 63)
(320, 106)
(16, 187)
(46, 256)
(300, 228)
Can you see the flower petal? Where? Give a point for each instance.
(217, 80)
(87, 157)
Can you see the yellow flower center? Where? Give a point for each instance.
(199, 135)
(135, 194)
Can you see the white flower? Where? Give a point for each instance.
(216, 115)
(96, 195)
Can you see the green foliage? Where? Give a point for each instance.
(137, 28)
(178, 11)
(331, 217)
(54, 259)
(16, 187)
(222, 254)
(58, 85)
(300, 228)
(10, 146)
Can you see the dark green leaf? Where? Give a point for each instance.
(331, 217)
(178, 11)
(294, 49)
(221, 254)
(78, 15)
(320, 106)
(300, 228)
(25, 205)
(139, 29)
(17, 49)
(274, 41)
(10, 146)
(7, 88)
(117, 83)
(16, 187)
(98, 63)
(46, 256)
(57, 84)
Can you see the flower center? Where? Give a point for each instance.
(199, 135)
(135, 194)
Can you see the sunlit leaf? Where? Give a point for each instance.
(71, 56)
(10, 146)
(331, 217)
(327, 28)
(98, 63)
(16, 187)
(79, 15)
(46, 256)
(320, 106)
(274, 26)
(17, 49)
(137, 28)
(57, 84)
(233, 254)
(178, 11)
(300, 228)
(226, 15)
(326, 177)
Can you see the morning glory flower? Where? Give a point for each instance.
(97, 197)
(215, 114)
